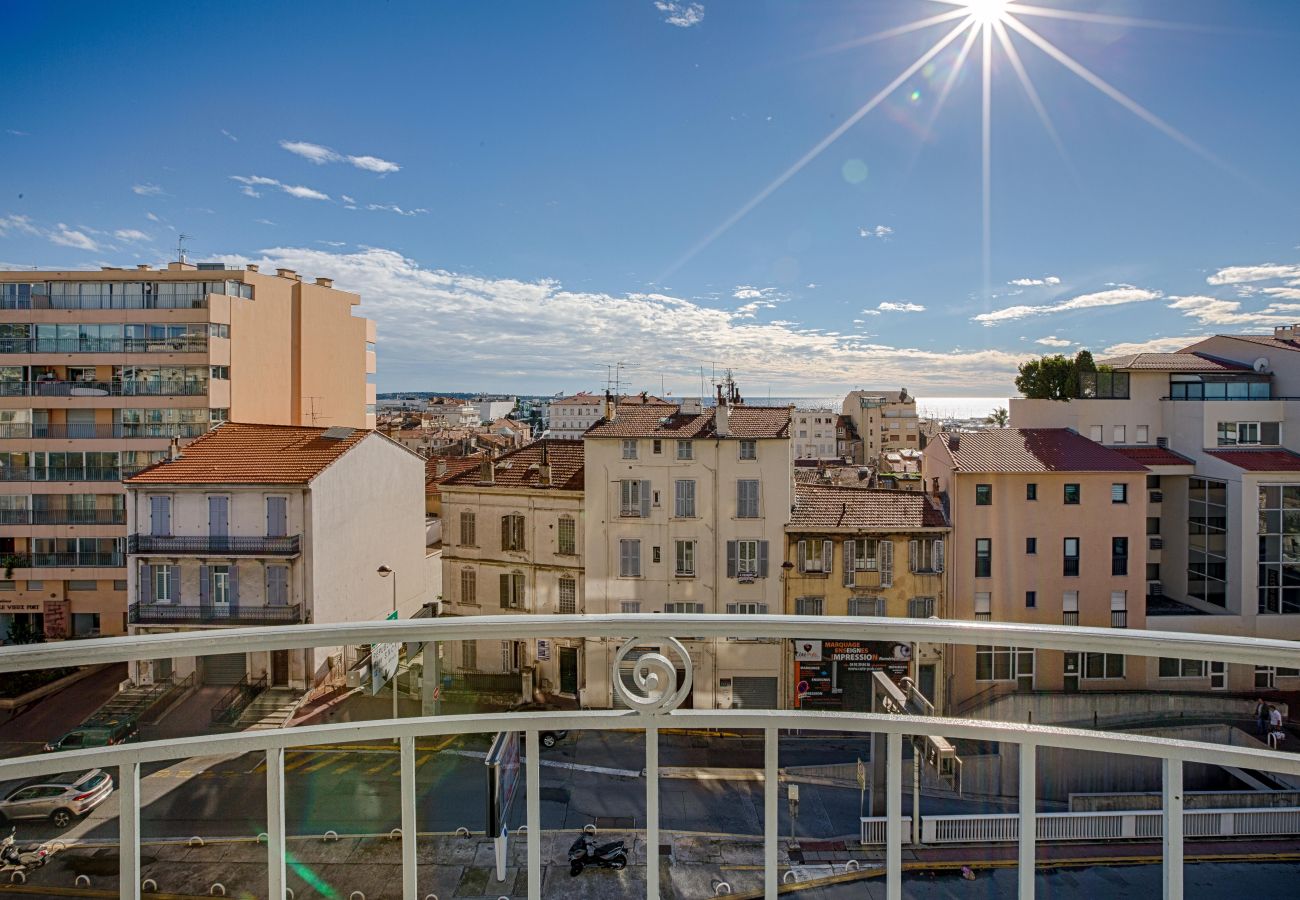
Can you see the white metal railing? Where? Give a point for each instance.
(658, 709)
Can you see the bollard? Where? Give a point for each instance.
(788, 876)
(589, 828)
(217, 890)
(462, 831)
(262, 837)
(851, 866)
(144, 885)
(194, 842)
(395, 834)
(330, 835)
(18, 877)
(718, 888)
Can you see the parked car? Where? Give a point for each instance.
(548, 739)
(99, 734)
(60, 798)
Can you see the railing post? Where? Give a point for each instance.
(532, 747)
(410, 837)
(771, 824)
(275, 870)
(1172, 808)
(1028, 817)
(894, 817)
(652, 812)
(128, 842)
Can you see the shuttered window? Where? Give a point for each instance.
(815, 556)
(277, 585)
(468, 586)
(512, 590)
(747, 498)
(684, 499)
(566, 536)
(885, 554)
(809, 606)
(684, 559)
(277, 516)
(512, 532)
(160, 511)
(467, 537)
(634, 498)
(629, 558)
(568, 596)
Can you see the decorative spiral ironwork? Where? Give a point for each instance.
(654, 678)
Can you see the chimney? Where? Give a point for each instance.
(143, 267)
(1285, 332)
(487, 471)
(252, 267)
(611, 407)
(722, 416)
(934, 486)
(544, 472)
(440, 469)
(174, 449)
(325, 282)
(288, 273)
(954, 441)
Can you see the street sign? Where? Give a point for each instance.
(862, 775)
(383, 661)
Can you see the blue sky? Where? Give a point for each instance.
(523, 192)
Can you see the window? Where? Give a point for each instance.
(1031, 491)
(221, 373)
(657, 447)
(925, 555)
(860, 555)
(747, 498)
(35, 585)
(469, 655)
(1103, 385)
(815, 556)
(119, 584)
(8, 586)
(1070, 608)
(685, 450)
(1031, 545)
(885, 562)
(746, 559)
(655, 555)
(1071, 553)
(629, 449)
(634, 498)
(1071, 494)
(216, 416)
(809, 606)
(1117, 434)
(468, 587)
(983, 605)
(1143, 434)
(690, 609)
(85, 624)
(1094, 433)
(568, 589)
(160, 515)
(1031, 599)
(983, 557)
(162, 584)
(1207, 543)
(277, 516)
(684, 559)
(512, 532)
(1182, 668)
(277, 585)
(1103, 665)
(749, 449)
(467, 529)
(83, 585)
(1279, 549)
(920, 607)
(566, 536)
(512, 590)
(684, 499)
(983, 495)
(629, 606)
(1119, 556)
(866, 606)
(994, 663)
(747, 609)
(1119, 493)
(629, 558)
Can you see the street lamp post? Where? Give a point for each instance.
(384, 572)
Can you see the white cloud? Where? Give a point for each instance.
(67, 237)
(393, 207)
(1241, 274)
(1282, 293)
(305, 193)
(417, 307)
(879, 231)
(745, 292)
(16, 133)
(1155, 345)
(900, 307)
(294, 190)
(1116, 296)
(1053, 341)
(229, 135)
(1283, 308)
(374, 164)
(1216, 311)
(683, 15)
(320, 155)
(1032, 282)
(17, 224)
(347, 199)
(151, 217)
(250, 191)
(130, 234)
(147, 190)
(264, 222)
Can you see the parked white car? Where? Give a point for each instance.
(59, 799)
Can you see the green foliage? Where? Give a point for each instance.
(998, 417)
(1053, 377)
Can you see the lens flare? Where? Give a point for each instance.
(986, 12)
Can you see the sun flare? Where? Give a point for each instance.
(986, 12)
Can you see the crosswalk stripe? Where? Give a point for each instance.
(309, 757)
(318, 766)
(423, 759)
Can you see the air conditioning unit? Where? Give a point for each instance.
(1157, 543)
(1157, 497)
(1155, 589)
(1162, 442)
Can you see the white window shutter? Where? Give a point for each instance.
(886, 563)
(850, 563)
(828, 556)
(645, 499)
(803, 556)
(938, 556)
(911, 556)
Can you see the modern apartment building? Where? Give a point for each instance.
(884, 420)
(1047, 527)
(513, 543)
(101, 371)
(273, 524)
(814, 433)
(568, 418)
(862, 552)
(686, 511)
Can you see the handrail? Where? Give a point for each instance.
(207, 614)
(233, 703)
(285, 545)
(173, 688)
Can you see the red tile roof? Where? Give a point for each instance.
(860, 509)
(660, 422)
(523, 468)
(1183, 361)
(454, 465)
(1264, 340)
(1259, 460)
(1033, 450)
(236, 453)
(1154, 456)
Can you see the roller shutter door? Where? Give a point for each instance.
(753, 693)
(228, 668)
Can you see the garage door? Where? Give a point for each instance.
(228, 668)
(753, 693)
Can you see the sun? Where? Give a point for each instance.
(987, 12)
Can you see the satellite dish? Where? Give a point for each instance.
(1261, 364)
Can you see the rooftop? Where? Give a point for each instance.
(1274, 341)
(1154, 456)
(857, 509)
(1182, 361)
(523, 467)
(656, 421)
(1259, 460)
(1033, 450)
(238, 453)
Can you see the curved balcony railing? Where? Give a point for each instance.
(225, 546)
(62, 516)
(99, 431)
(212, 614)
(196, 344)
(91, 473)
(651, 710)
(103, 388)
(68, 560)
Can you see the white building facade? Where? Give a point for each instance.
(813, 432)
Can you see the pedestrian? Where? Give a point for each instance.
(1261, 716)
(1274, 718)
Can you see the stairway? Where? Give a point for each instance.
(270, 710)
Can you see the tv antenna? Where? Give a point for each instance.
(180, 245)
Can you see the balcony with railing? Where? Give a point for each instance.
(186, 388)
(189, 344)
(99, 431)
(84, 473)
(654, 685)
(69, 560)
(62, 516)
(212, 614)
(201, 545)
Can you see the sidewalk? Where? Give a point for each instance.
(56, 715)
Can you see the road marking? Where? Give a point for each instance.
(378, 768)
(576, 767)
(307, 757)
(423, 759)
(318, 766)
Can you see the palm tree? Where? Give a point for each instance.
(998, 417)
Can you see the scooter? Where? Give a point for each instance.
(30, 857)
(584, 852)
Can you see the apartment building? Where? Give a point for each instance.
(568, 418)
(686, 509)
(883, 420)
(814, 432)
(862, 552)
(1047, 527)
(513, 543)
(1221, 537)
(100, 371)
(268, 525)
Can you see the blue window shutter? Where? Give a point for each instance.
(762, 559)
(146, 583)
(203, 585)
(732, 559)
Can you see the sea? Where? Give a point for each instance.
(926, 407)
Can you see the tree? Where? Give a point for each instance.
(1053, 377)
(998, 417)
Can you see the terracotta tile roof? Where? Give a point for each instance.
(1259, 460)
(1264, 340)
(1154, 456)
(662, 422)
(1182, 361)
(236, 453)
(858, 509)
(1033, 450)
(454, 466)
(522, 467)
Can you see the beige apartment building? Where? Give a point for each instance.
(686, 510)
(1048, 527)
(513, 543)
(101, 371)
(269, 525)
(884, 421)
(862, 552)
(1211, 423)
